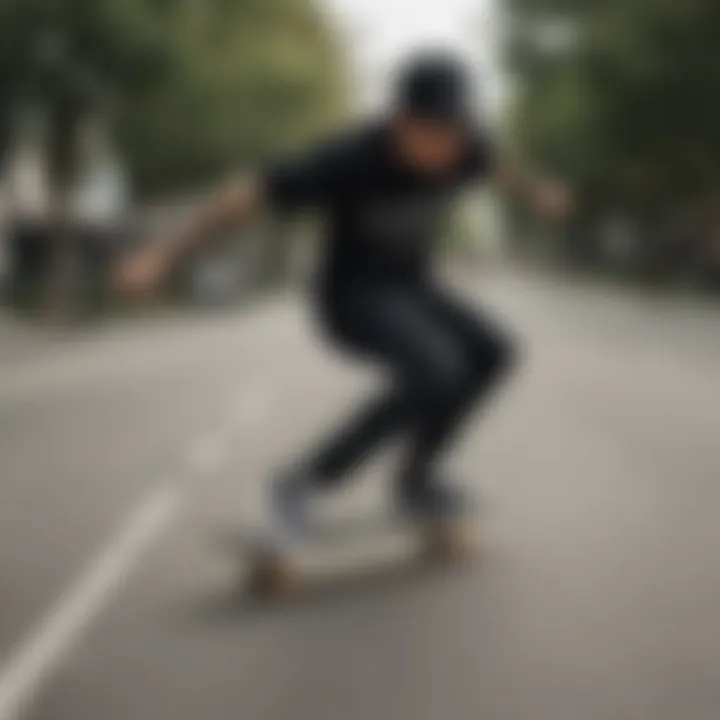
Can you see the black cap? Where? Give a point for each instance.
(436, 86)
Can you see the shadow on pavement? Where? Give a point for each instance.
(338, 590)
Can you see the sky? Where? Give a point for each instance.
(380, 32)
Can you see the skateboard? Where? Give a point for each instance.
(284, 568)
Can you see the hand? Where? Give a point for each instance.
(552, 200)
(143, 272)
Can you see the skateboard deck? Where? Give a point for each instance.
(281, 567)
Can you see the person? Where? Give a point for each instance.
(384, 188)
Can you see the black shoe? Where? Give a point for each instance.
(431, 500)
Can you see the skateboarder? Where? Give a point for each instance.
(383, 188)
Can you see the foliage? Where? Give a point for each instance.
(630, 111)
(195, 87)
(251, 76)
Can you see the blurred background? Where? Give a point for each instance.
(599, 598)
(116, 115)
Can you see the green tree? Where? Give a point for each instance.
(252, 76)
(195, 87)
(630, 110)
(63, 57)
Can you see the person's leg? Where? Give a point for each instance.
(489, 353)
(427, 365)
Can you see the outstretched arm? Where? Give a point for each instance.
(544, 196)
(144, 271)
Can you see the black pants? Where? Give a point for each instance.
(441, 357)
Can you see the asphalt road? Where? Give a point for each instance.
(122, 454)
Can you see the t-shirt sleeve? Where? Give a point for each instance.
(481, 159)
(308, 180)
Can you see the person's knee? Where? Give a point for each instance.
(505, 354)
(498, 358)
(442, 379)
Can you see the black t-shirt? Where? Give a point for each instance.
(381, 219)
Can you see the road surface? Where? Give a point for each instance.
(122, 455)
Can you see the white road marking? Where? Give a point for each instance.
(36, 658)
(32, 664)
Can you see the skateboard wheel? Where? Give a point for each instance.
(449, 541)
(274, 577)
